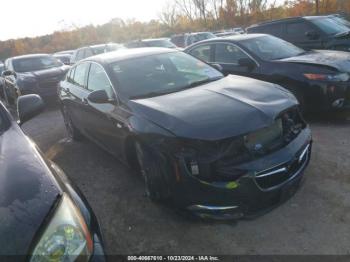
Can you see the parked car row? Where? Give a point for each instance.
(216, 129)
(319, 79)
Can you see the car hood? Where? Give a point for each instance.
(225, 108)
(336, 59)
(28, 192)
(51, 73)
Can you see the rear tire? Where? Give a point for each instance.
(150, 168)
(72, 131)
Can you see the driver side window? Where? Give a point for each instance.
(98, 80)
(228, 54)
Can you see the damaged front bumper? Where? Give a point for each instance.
(268, 181)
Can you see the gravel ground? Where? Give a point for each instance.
(315, 221)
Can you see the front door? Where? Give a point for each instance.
(104, 123)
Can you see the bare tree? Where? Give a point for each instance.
(169, 15)
(216, 7)
(201, 6)
(187, 8)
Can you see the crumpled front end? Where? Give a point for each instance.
(243, 175)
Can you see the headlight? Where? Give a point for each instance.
(66, 237)
(342, 77)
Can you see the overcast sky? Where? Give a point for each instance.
(38, 17)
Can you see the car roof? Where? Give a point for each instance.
(286, 20)
(29, 56)
(126, 54)
(97, 46)
(231, 38)
(276, 21)
(154, 39)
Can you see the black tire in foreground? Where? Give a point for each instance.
(150, 167)
(72, 131)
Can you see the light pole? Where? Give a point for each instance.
(317, 7)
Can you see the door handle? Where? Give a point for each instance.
(115, 122)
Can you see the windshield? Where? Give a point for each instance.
(341, 21)
(36, 63)
(160, 43)
(106, 48)
(161, 74)
(329, 25)
(271, 48)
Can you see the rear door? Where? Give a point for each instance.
(10, 81)
(296, 33)
(75, 90)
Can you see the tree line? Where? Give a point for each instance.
(177, 16)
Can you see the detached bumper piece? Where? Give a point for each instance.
(216, 212)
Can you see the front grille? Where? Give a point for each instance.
(278, 175)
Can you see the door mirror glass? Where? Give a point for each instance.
(247, 62)
(9, 73)
(28, 106)
(99, 97)
(312, 35)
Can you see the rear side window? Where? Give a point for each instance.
(70, 75)
(202, 52)
(274, 29)
(80, 74)
(98, 80)
(298, 29)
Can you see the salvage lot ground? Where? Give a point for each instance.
(315, 221)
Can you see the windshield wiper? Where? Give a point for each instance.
(148, 95)
(202, 82)
(191, 85)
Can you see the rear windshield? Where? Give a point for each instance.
(160, 43)
(329, 25)
(36, 63)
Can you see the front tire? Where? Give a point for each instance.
(150, 168)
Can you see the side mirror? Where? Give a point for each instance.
(28, 106)
(9, 73)
(313, 35)
(246, 62)
(99, 97)
(218, 67)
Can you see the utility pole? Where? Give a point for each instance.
(317, 7)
